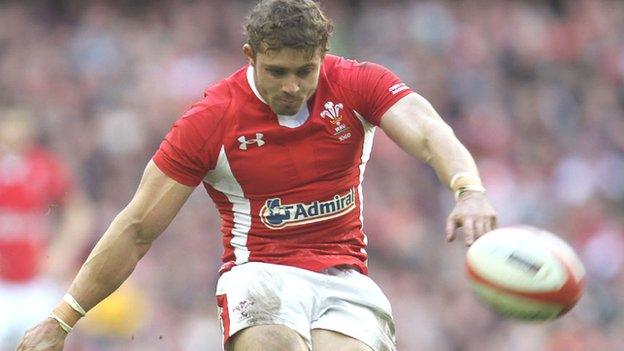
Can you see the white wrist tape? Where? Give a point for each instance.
(66, 327)
(74, 304)
(466, 181)
(456, 177)
(463, 189)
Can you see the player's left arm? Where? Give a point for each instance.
(417, 128)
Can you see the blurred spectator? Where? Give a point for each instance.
(36, 192)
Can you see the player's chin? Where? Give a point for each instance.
(286, 110)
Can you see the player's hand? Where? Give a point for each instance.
(474, 214)
(45, 336)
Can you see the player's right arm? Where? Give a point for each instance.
(129, 237)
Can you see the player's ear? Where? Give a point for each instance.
(249, 53)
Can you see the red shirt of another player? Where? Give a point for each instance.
(30, 184)
(288, 192)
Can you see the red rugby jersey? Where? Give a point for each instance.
(290, 196)
(31, 186)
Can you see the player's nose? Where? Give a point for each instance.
(291, 86)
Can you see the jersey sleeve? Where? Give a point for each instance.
(184, 154)
(374, 89)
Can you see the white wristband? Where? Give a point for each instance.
(463, 189)
(461, 175)
(66, 327)
(74, 304)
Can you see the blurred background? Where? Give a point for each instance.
(535, 89)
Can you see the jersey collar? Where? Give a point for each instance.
(252, 83)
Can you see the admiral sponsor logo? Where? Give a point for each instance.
(276, 215)
(397, 88)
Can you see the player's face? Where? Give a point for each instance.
(286, 78)
(16, 131)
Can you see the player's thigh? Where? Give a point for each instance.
(327, 340)
(270, 337)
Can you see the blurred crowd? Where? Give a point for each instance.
(535, 89)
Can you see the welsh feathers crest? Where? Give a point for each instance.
(332, 111)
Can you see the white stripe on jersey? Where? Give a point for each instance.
(222, 180)
(369, 134)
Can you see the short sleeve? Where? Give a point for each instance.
(375, 89)
(184, 154)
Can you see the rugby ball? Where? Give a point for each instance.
(525, 273)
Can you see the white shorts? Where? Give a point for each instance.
(338, 299)
(22, 306)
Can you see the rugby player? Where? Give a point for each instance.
(43, 214)
(281, 146)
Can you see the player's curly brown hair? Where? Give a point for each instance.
(297, 24)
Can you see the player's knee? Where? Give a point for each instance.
(267, 338)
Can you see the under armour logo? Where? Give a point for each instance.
(244, 142)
